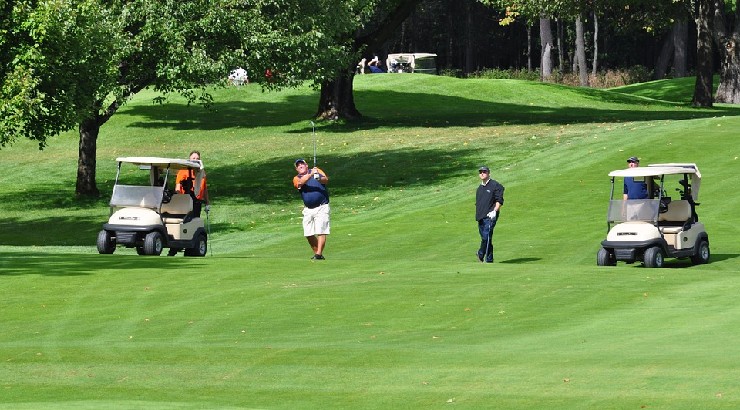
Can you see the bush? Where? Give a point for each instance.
(603, 79)
(452, 72)
(508, 74)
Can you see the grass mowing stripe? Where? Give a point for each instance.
(400, 315)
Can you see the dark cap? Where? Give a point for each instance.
(299, 160)
(484, 168)
(633, 159)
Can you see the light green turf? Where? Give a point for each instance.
(400, 315)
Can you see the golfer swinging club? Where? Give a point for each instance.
(311, 183)
(489, 198)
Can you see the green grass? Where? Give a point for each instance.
(400, 315)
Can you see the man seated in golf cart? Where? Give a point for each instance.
(186, 183)
(658, 226)
(145, 214)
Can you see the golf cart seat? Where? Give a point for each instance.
(675, 217)
(178, 209)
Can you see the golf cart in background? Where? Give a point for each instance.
(649, 230)
(411, 63)
(147, 214)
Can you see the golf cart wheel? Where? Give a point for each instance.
(201, 247)
(106, 245)
(140, 250)
(153, 243)
(653, 257)
(605, 258)
(702, 254)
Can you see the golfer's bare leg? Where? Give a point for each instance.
(314, 242)
(320, 243)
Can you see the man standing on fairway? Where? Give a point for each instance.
(489, 198)
(311, 183)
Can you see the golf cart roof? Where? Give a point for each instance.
(172, 163)
(658, 170)
(409, 56)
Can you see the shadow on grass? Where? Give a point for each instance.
(396, 109)
(35, 263)
(349, 176)
(671, 263)
(719, 257)
(55, 231)
(518, 261)
(357, 174)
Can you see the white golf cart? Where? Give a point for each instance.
(147, 215)
(649, 230)
(411, 63)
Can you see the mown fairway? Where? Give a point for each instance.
(401, 314)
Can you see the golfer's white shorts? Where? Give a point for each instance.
(316, 220)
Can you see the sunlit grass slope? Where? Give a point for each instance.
(400, 315)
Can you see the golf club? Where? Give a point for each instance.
(313, 132)
(488, 243)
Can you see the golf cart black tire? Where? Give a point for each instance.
(201, 246)
(106, 245)
(153, 244)
(654, 257)
(605, 258)
(702, 253)
(140, 250)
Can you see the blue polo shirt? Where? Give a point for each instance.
(635, 189)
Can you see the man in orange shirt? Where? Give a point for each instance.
(185, 182)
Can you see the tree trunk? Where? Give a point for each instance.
(596, 45)
(546, 52)
(728, 44)
(680, 33)
(337, 100)
(581, 53)
(529, 48)
(468, 39)
(729, 77)
(661, 66)
(704, 60)
(87, 159)
(562, 58)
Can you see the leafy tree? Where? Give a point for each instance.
(382, 18)
(74, 63)
(46, 49)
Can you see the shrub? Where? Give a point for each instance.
(452, 72)
(506, 74)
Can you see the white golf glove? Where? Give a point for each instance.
(492, 214)
(208, 208)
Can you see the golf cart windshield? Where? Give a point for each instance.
(664, 183)
(135, 195)
(134, 188)
(633, 210)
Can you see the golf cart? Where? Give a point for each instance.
(149, 216)
(661, 226)
(412, 63)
